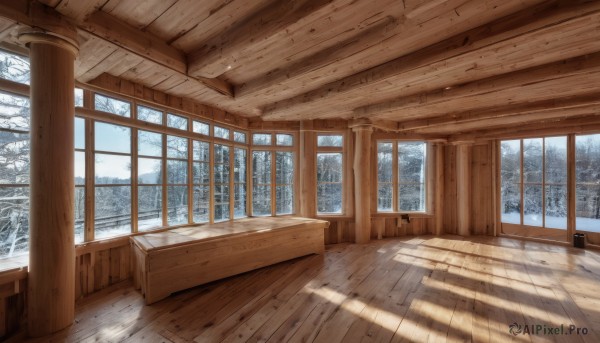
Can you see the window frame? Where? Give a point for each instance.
(344, 182)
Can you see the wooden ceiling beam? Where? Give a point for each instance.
(522, 40)
(227, 50)
(111, 30)
(394, 109)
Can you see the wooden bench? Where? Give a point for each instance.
(174, 260)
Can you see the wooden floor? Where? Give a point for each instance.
(415, 289)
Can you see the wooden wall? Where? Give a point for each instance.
(13, 286)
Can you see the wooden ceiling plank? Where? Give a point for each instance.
(116, 63)
(461, 53)
(573, 66)
(222, 19)
(227, 50)
(137, 13)
(79, 10)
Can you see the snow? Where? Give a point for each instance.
(582, 224)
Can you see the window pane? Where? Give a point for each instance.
(14, 68)
(177, 205)
(329, 198)
(113, 138)
(284, 199)
(201, 151)
(79, 214)
(261, 178)
(149, 143)
(239, 201)
(78, 97)
(79, 133)
(329, 167)
(110, 105)
(587, 175)
(112, 169)
(177, 172)
(261, 200)
(411, 162)
(221, 154)
(284, 140)
(556, 206)
(15, 112)
(149, 207)
(221, 173)
(177, 147)
(384, 176)
(177, 122)
(201, 173)
(329, 182)
(239, 137)
(532, 209)
(221, 196)
(14, 158)
(411, 197)
(113, 211)
(221, 132)
(384, 196)
(239, 165)
(261, 167)
(14, 221)
(150, 115)
(150, 171)
(79, 168)
(201, 203)
(201, 128)
(330, 140)
(284, 167)
(532, 160)
(261, 139)
(510, 174)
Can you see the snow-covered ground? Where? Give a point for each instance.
(582, 224)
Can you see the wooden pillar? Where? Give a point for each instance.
(439, 189)
(463, 188)
(362, 182)
(51, 281)
(308, 172)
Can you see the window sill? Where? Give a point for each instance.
(11, 265)
(399, 214)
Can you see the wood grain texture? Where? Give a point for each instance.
(417, 289)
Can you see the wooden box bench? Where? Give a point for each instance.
(174, 260)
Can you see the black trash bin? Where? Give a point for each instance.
(579, 240)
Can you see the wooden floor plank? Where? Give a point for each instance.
(410, 289)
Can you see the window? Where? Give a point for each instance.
(284, 182)
(221, 182)
(201, 128)
(149, 115)
(239, 183)
(14, 170)
(261, 183)
(284, 140)
(261, 139)
(221, 132)
(239, 137)
(401, 176)
(112, 165)
(79, 179)
(14, 67)
(150, 180)
(587, 176)
(177, 122)
(177, 180)
(330, 167)
(78, 97)
(201, 183)
(534, 182)
(110, 105)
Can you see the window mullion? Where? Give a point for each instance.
(395, 177)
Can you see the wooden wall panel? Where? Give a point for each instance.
(13, 287)
(99, 269)
(450, 218)
(482, 207)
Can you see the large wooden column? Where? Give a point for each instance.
(463, 188)
(362, 181)
(51, 282)
(308, 173)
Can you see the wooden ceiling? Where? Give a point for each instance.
(424, 66)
